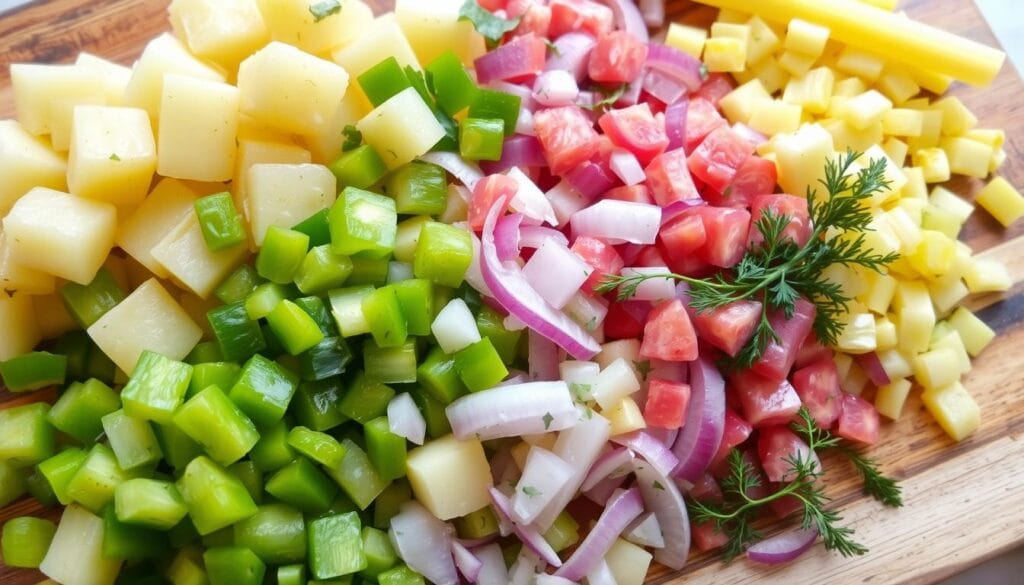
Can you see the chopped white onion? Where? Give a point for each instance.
(588, 311)
(601, 574)
(399, 271)
(544, 476)
(578, 446)
(455, 327)
(544, 357)
(652, 289)
(565, 200)
(525, 568)
(626, 167)
(545, 579)
(467, 562)
(556, 272)
(424, 543)
(531, 538)
(532, 236)
(646, 531)
(405, 419)
(555, 88)
(466, 172)
(524, 123)
(618, 222)
(510, 411)
(614, 383)
(492, 569)
(579, 372)
(457, 204)
(530, 200)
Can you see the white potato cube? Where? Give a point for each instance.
(52, 316)
(303, 94)
(401, 129)
(225, 31)
(21, 332)
(60, 234)
(183, 253)
(450, 477)
(628, 562)
(434, 27)
(113, 77)
(325, 143)
(14, 276)
(37, 86)
(284, 195)
(26, 162)
(293, 22)
(166, 205)
(75, 555)
(113, 154)
(383, 38)
(163, 55)
(253, 151)
(148, 318)
(199, 125)
(801, 157)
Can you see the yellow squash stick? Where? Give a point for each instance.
(870, 28)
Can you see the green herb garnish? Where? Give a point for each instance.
(492, 27)
(353, 138)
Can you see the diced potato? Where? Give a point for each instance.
(849, 87)
(998, 158)
(806, 37)
(956, 118)
(866, 109)
(937, 368)
(940, 220)
(902, 122)
(931, 128)
(890, 398)
(772, 117)
(993, 137)
(967, 157)
(114, 77)
(15, 277)
(52, 316)
(625, 417)
(225, 31)
(305, 92)
(382, 39)
(914, 326)
(628, 562)
(256, 151)
(867, 66)
(738, 105)
(843, 363)
(75, 555)
(26, 162)
(854, 381)
(880, 291)
(897, 85)
(434, 27)
(762, 40)
(946, 200)
(895, 363)
(284, 195)
(801, 157)
(951, 340)
(36, 86)
(183, 253)
(113, 154)
(858, 334)
(62, 117)
(165, 207)
(450, 477)
(772, 77)
(292, 22)
(21, 330)
(725, 54)
(163, 55)
(851, 279)
(947, 292)
(933, 163)
(893, 173)
(148, 318)
(973, 331)
(198, 129)
(796, 64)
(812, 91)
(1001, 200)
(846, 137)
(916, 187)
(401, 129)
(987, 276)
(325, 144)
(896, 150)
(688, 39)
(955, 410)
(885, 333)
(933, 255)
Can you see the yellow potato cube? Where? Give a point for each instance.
(880, 291)
(256, 151)
(967, 157)
(401, 129)
(292, 22)
(15, 277)
(148, 318)
(858, 334)
(951, 340)
(434, 27)
(956, 118)
(912, 207)
(946, 200)
(183, 253)
(973, 331)
(893, 173)
(60, 234)
(866, 109)
(914, 326)
(933, 163)
(21, 331)
(896, 150)
(955, 410)
(854, 61)
(771, 117)
(993, 137)
(26, 162)
(940, 220)
(113, 154)
(801, 157)
(225, 31)
(796, 64)
(987, 276)
(165, 207)
(895, 363)
(688, 39)
(947, 292)
(897, 85)
(325, 143)
(915, 188)
(113, 77)
(849, 87)
(1001, 200)
(383, 38)
(62, 115)
(305, 92)
(285, 194)
(628, 562)
(933, 255)
(937, 368)
(450, 477)
(843, 364)
(890, 398)
(198, 129)
(885, 333)
(908, 233)
(846, 137)
(812, 91)
(738, 105)
(52, 316)
(625, 417)
(931, 129)
(806, 38)
(998, 158)
(902, 122)
(854, 381)
(762, 40)
(37, 86)
(849, 278)
(725, 54)
(772, 76)
(163, 55)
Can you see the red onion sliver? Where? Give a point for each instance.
(783, 547)
(873, 367)
(466, 172)
(405, 419)
(466, 562)
(628, 18)
(653, 12)
(517, 151)
(572, 54)
(578, 446)
(543, 357)
(474, 277)
(676, 208)
(652, 450)
(662, 497)
(524, 93)
(620, 511)
(681, 66)
(591, 179)
(556, 273)
(424, 543)
(529, 534)
(511, 60)
(545, 579)
(664, 87)
(602, 492)
(513, 410)
(618, 222)
(705, 421)
(666, 436)
(506, 236)
(565, 200)
(619, 459)
(675, 124)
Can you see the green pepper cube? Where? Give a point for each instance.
(347, 310)
(443, 254)
(390, 365)
(238, 335)
(316, 308)
(400, 576)
(360, 167)
(100, 366)
(250, 476)
(187, 568)
(291, 575)
(237, 285)
(453, 87)
(304, 486)
(387, 504)
(178, 448)
(151, 503)
(13, 483)
(365, 399)
(416, 298)
(380, 555)
(316, 227)
(386, 450)
(26, 436)
(25, 541)
(58, 471)
(433, 411)
(492, 326)
(211, 419)
(480, 367)
(357, 476)
(495, 104)
(233, 565)
(96, 479)
(383, 81)
(157, 387)
(479, 524)
(37, 486)
(281, 255)
(481, 138)
(272, 451)
(216, 373)
(326, 359)
(322, 269)
(418, 188)
(130, 542)
(336, 546)
(564, 532)
(86, 303)
(363, 222)
(75, 346)
(132, 439)
(369, 271)
(320, 447)
(79, 410)
(276, 533)
(439, 376)
(263, 390)
(219, 221)
(315, 404)
(408, 236)
(384, 315)
(204, 352)
(294, 327)
(34, 370)
(214, 497)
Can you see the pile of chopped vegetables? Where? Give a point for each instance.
(497, 292)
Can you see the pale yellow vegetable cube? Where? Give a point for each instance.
(163, 55)
(257, 151)
(846, 137)
(849, 278)
(854, 61)
(908, 233)
(812, 91)
(771, 117)
(626, 349)
(801, 157)
(625, 417)
(947, 292)
(931, 129)
(75, 554)
(450, 477)
(858, 334)
(946, 200)
(383, 38)
(113, 154)
(762, 40)
(890, 398)
(916, 188)
(165, 207)
(806, 37)
(914, 326)
(225, 31)
(955, 410)
(293, 22)
(987, 276)
(52, 316)
(896, 150)
(738, 105)
(16, 277)
(62, 115)
(893, 173)
(796, 64)
(198, 129)
(628, 562)
(434, 27)
(993, 137)
(147, 319)
(941, 220)
(113, 76)
(914, 208)
(933, 163)
(897, 85)
(849, 87)
(325, 144)
(854, 381)
(772, 77)
(937, 368)
(956, 118)
(951, 340)
(37, 86)
(902, 122)
(998, 158)
(885, 333)
(973, 331)
(26, 162)
(688, 39)
(866, 109)
(285, 194)
(933, 255)
(967, 157)
(401, 129)
(407, 237)
(304, 93)
(1001, 200)
(183, 253)
(895, 363)
(725, 54)
(880, 291)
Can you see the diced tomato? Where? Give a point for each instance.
(715, 87)
(492, 5)
(705, 489)
(707, 535)
(756, 176)
(517, 8)
(668, 334)
(519, 58)
(600, 256)
(811, 351)
(764, 402)
(487, 191)
(666, 403)
(536, 19)
(726, 230)
(620, 323)
(786, 505)
(818, 387)
(567, 137)
(778, 356)
(650, 257)
(631, 193)
(750, 457)
(586, 15)
(729, 327)
(701, 119)
(778, 447)
(684, 234)
(793, 207)
(692, 264)
(637, 130)
(669, 178)
(719, 157)
(618, 57)
(736, 431)
(858, 421)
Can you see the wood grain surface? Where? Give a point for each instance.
(964, 502)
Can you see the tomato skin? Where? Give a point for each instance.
(618, 57)
(620, 323)
(669, 178)
(485, 193)
(666, 403)
(687, 264)
(602, 257)
(737, 430)
(492, 5)
(778, 357)
(637, 130)
(715, 87)
(858, 421)
(756, 176)
(650, 257)
(586, 15)
(707, 536)
(536, 19)
(818, 387)
(729, 327)
(727, 230)
(811, 351)
(706, 489)
(684, 234)
(631, 193)
(567, 137)
(776, 447)
(668, 334)
(764, 402)
(702, 118)
(793, 207)
(719, 157)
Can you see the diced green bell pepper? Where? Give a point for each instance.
(219, 221)
(316, 227)
(363, 222)
(25, 541)
(418, 188)
(276, 533)
(380, 555)
(150, 503)
(291, 575)
(12, 483)
(130, 542)
(263, 390)
(96, 479)
(400, 575)
(315, 404)
(233, 565)
(294, 327)
(360, 167)
(79, 410)
(178, 448)
(495, 104)
(416, 298)
(336, 546)
(157, 387)
(383, 81)
(251, 477)
(75, 346)
(262, 300)
(237, 285)
(187, 568)
(58, 471)
(272, 451)
(453, 87)
(211, 419)
(219, 373)
(564, 532)
(357, 477)
(492, 326)
(384, 315)
(34, 370)
(326, 359)
(479, 524)
(304, 486)
(322, 269)
(347, 310)
(372, 271)
(317, 446)
(387, 504)
(37, 486)
(433, 412)
(238, 334)
(132, 439)
(365, 399)
(386, 450)
(281, 254)
(100, 366)
(87, 303)
(214, 497)
(26, 436)
(443, 254)
(481, 138)
(316, 308)
(479, 365)
(204, 352)
(439, 376)
(390, 365)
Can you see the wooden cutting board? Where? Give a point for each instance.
(964, 502)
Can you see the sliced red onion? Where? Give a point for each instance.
(653, 289)
(424, 543)
(565, 200)
(517, 151)
(602, 492)
(631, 96)
(529, 199)
(873, 367)
(555, 88)
(528, 534)
(510, 411)
(508, 61)
(783, 547)
(662, 497)
(466, 562)
(620, 511)
(591, 179)
(543, 357)
(492, 568)
(628, 18)
(474, 277)
(405, 419)
(578, 446)
(676, 208)
(571, 54)
(618, 222)
(588, 311)
(638, 310)
(466, 172)
(682, 67)
(666, 436)
(615, 463)
(749, 134)
(652, 450)
(664, 87)
(544, 476)
(506, 236)
(601, 574)
(555, 272)
(524, 123)
(653, 12)
(513, 292)
(646, 531)
(705, 421)
(532, 236)
(545, 579)
(675, 124)
(626, 167)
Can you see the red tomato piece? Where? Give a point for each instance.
(669, 178)
(567, 137)
(618, 57)
(727, 230)
(858, 421)
(706, 489)
(492, 5)
(793, 207)
(666, 403)
(600, 256)
(764, 402)
(650, 257)
(778, 447)
(668, 334)
(707, 536)
(536, 19)
(586, 15)
(701, 119)
(621, 323)
(719, 157)
(736, 432)
(637, 130)
(517, 59)
(715, 87)
(487, 191)
(811, 351)
(818, 388)
(687, 264)
(683, 234)
(730, 327)
(756, 176)
(786, 505)
(631, 193)
(778, 356)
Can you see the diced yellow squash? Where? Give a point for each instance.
(902, 122)
(849, 87)
(933, 163)
(885, 333)
(738, 105)
(771, 117)
(796, 64)
(941, 220)
(947, 292)
(951, 340)
(37, 86)
(801, 157)
(987, 276)
(16, 277)
(285, 194)
(62, 117)
(858, 334)
(946, 200)
(937, 368)
(897, 85)
(225, 31)
(163, 55)
(866, 109)
(854, 61)
(688, 39)
(973, 331)
(26, 162)
(113, 154)
(450, 477)
(967, 157)
(52, 316)
(954, 408)
(772, 76)
(880, 291)
(812, 91)
(762, 40)
(383, 38)
(113, 76)
(889, 5)
(147, 319)
(895, 363)
(725, 54)
(165, 207)
(401, 129)
(854, 381)
(956, 118)
(198, 129)
(325, 143)
(292, 22)
(628, 562)
(914, 208)
(183, 253)
(806, 38)
(256, 151)
(434, 27)
(933, 256)
(1001, 200)
(625, 417)
(890, 398)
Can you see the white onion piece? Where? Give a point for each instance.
(466, 172)
(424, 543)
(530, 200)
(662, 497)
(556, 272)
(509, 411)
(783, 547)
(524, 123)
(524, 93)
(577, 372)
(565, 200)
(614, 463)
(586, 310)
(545, 579)
(620, 511)
(626, 167)
(618, 222)
(652, 450)
(528, 533)
(645, 531)
(653, 289)
(473, 275)
(467, 562)
(578, 446)
(555, 88)
(601, 574)
(525, 568)
(511, 323)
(455, 327)
(600, 493)
(405, 419)
(492, 569)
(544, 476)
(571, 54)
(653, 12)
(532, 236)
(543, 357)
(705, 421)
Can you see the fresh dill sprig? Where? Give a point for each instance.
(778, 272)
